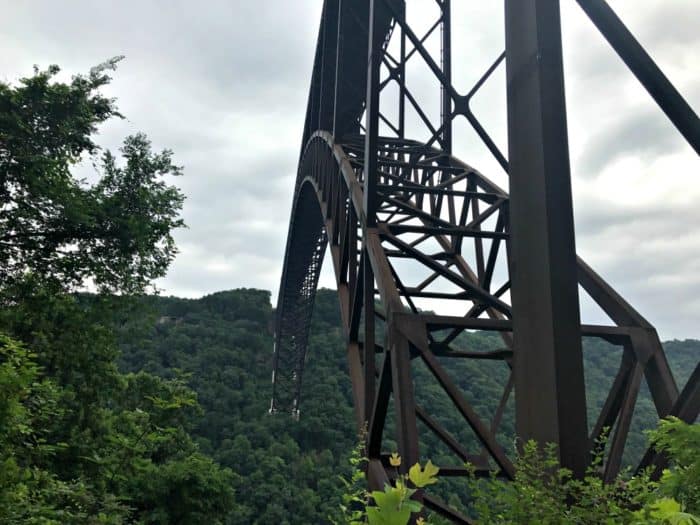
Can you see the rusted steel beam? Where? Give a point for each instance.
(550, 392)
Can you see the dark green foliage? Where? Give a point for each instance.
(223, 342)
(91, 443)
(681, 443)
(80, 442)
(287, 471)
(544, 493)
(116, 232)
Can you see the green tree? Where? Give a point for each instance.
(680, 442)
(116, 232)
(30, 489)
(80, 441)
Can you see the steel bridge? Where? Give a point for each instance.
(408, 223)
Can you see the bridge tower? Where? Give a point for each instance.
(425, 247)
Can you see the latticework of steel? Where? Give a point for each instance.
(407, 222)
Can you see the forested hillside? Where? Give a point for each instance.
(286, 470)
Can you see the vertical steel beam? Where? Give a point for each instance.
(369, 340)
(446, 97)
(548, 361)
(374, 60)
(338, 47)
(404, 401)
(322, 61)
(402, 77)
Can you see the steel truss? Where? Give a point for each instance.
(408, 223)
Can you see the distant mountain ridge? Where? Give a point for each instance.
(288, 470)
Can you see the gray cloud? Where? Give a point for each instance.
(224, 84)
(644, 134)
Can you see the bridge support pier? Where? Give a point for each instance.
(548, 360)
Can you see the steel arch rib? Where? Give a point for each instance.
(328, 209)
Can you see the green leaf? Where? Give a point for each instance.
(664, 507)
(413, 505)
(390, 498)
(423, 477)
(382, 516)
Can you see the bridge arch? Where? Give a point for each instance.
(428, 195)
(407, 223)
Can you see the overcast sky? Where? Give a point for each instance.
(224, 84)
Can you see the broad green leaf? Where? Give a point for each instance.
(413, 505)
(390, 498)
(423, 477)
(665, 507)
(382, 516)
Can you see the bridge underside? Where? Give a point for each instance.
(425, 249)
(448, 219)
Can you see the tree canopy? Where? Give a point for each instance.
(115, 232)
(80, 441)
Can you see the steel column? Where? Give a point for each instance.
(374, 60)
(446, 59)
(369, 339)
(548, 361)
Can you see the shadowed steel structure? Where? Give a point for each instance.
(407, 223)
